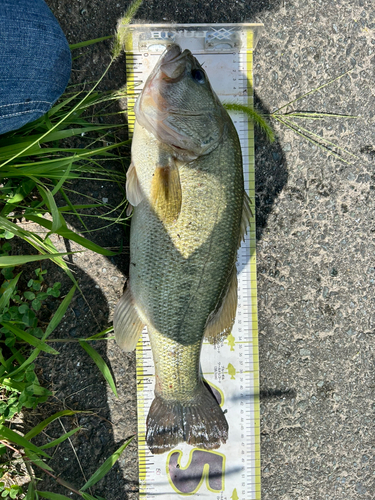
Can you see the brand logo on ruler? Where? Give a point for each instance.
(171, 34)
(221, 34)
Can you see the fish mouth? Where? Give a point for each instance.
(166, 118)
(171, 52)
(173, 62)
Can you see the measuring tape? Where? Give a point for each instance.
(231, 368)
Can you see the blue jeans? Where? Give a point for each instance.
(35, 62)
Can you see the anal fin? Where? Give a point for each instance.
(221, 322)
(126, 322)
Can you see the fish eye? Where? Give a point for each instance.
(198, 75)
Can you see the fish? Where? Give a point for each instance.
(190, 212)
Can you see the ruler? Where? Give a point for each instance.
(231, 367)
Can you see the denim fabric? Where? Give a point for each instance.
(35, 62)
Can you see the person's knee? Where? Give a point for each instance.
(35, 61)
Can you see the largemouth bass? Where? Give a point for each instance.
(190, 213)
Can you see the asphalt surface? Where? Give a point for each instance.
(315, 248)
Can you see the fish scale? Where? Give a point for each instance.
(233, 471)
(184, 243)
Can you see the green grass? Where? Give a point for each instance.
(292, 120)
(37, 164)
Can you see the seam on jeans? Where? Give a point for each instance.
(21, 113)
(24, 103)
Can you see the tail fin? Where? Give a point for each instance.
(200, 422)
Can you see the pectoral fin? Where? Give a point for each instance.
(133, 189)
(166, 193)
(221, 322)
(126, 323)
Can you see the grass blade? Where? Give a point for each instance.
(57, 317)
(38, 428)
(317, 137)
(43, 246)
(61, 104)
(6, 363)
(72, 208)
(320, 143)
(37, 460)
(86, 496)
(52, 496)
(74, 46)
(59, 440)
(100, 363)
(14, 437)
(312, 91)
(31, 491)
(4, 300)
(22, 367)
(18, 260)
(106, 467)
(29, 338)
(314, 142)
(63, 178)
(101, 334)
(57, 220)
(314, 115)
(25, 187)
(70, 235)
(32, 144)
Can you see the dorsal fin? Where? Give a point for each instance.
(247, 214)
